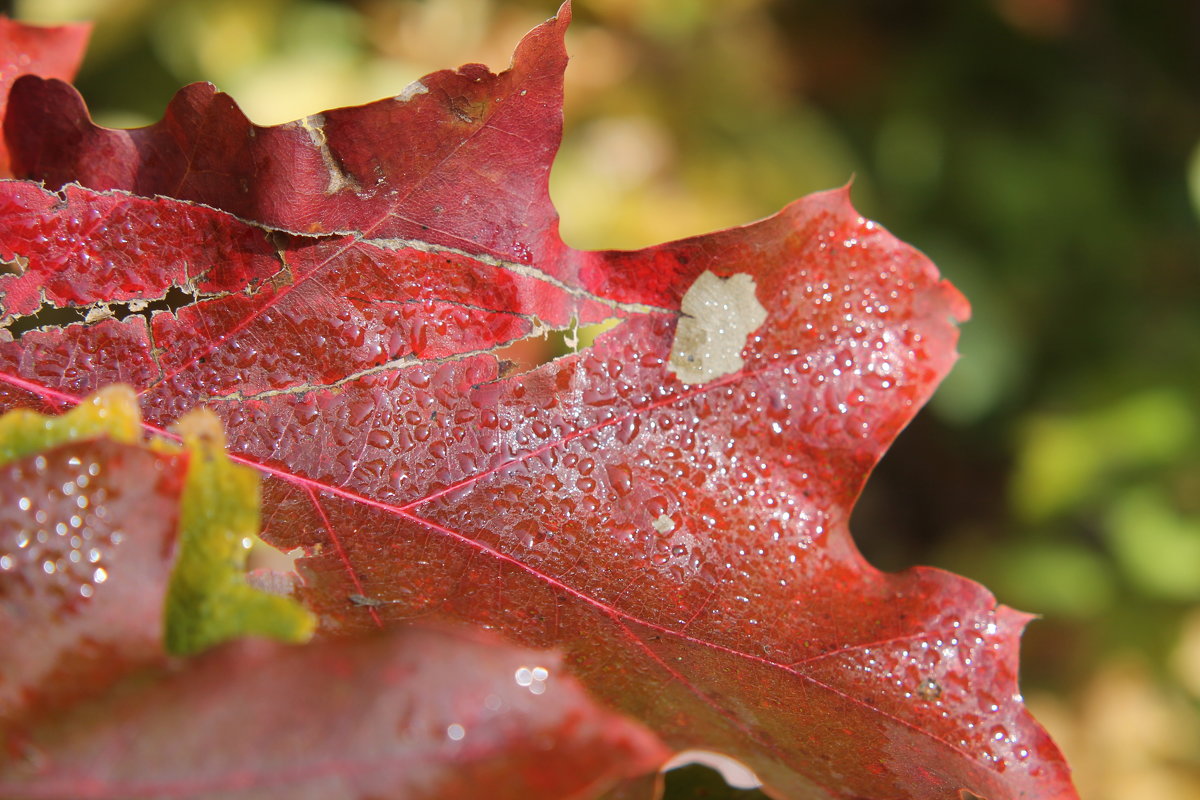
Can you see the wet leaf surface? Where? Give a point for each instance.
(91, 706)
(81, 589)
(347, 282)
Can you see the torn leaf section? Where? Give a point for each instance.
(50, 316)
(586, 335)
(13, 266)
(209, 600)
(111, 412)
(719, 315)
(544, 345)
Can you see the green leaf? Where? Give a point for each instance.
(111, 412)
(208, 600)
(1066, 460)
(1157, 546)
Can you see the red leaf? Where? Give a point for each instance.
(81, 588)
(464, 164)
(413, 714)
(53, 52)
(90, 707)
(684, 543)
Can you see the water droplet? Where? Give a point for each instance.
(620, 477)
(360, 411)
(306, 413)
(380, 438)
(627, 429)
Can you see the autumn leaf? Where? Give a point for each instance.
(668, 506)
(114, 546)
(90, 705)
(410, 714)
(80, 592)
(31, 49)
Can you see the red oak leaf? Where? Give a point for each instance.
(669, 506)
(53, 52)
(90, 706)
(72, 624)
(410, 714)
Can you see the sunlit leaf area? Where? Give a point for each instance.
(1044, 153)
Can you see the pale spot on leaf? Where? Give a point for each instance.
(718, 315)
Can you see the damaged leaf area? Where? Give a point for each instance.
(718, 315)
(667, 506)
(83, 258)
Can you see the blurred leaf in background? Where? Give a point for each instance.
(1045, 153)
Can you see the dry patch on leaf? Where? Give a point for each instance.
(718, 315)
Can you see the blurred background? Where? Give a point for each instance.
(1044, 153)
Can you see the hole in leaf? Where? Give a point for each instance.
(14, 267)
(51, 316)
(547, 344)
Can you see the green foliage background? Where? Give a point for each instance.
(1045, 153)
